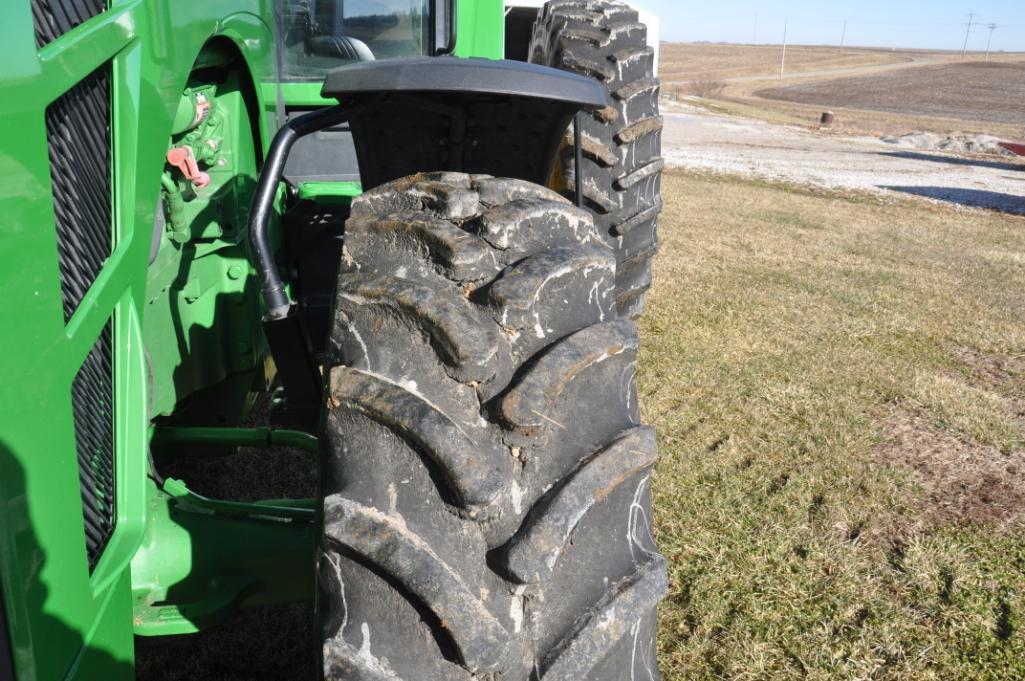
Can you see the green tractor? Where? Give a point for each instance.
(421, 260)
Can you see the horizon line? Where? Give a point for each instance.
(833, 46)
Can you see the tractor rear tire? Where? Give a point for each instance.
(485, 481)
(621, 143)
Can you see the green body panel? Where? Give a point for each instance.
(329, 192)
(202, 316)
(480, 29)
(259, 438)
(189, 321)
(64, 621)
(202, 558)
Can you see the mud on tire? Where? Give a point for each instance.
(621, 144)
(486, 482)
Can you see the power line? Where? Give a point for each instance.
(761, 22)
(783, 61)
(762, 18)
(909, 24)
(991, 27)
(964, 50)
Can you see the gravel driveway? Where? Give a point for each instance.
(696, 139)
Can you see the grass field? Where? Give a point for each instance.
(837, 387)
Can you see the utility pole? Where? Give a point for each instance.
(756, 29)
(991, 27)
(964, 50)
(783, 61)
(843, 35)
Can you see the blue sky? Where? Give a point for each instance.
(939, 24)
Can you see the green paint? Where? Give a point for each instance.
(187, 325)
(480, 29)
(300, 95)
(329, 192)
(201, 559)
(260, 438)
(66, 621)
(202, 323)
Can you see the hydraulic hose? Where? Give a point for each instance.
(274, 294)
(180, 231)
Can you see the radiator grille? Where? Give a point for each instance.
(78, 135)
(54, 18)
(92, 401)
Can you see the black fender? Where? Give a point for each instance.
(502, 118)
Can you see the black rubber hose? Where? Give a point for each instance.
(274, 294)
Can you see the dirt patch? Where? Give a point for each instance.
(975, 91)
(259, 643)
(964, 482)
(1001, 373)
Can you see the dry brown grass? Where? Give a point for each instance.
(836, 384)
(686, 62)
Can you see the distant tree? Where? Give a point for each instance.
(707, 87)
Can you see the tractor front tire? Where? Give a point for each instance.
(621, 143)
(485, 482)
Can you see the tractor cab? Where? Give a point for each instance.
(315, 36)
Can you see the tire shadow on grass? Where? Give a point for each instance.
(976, 198)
